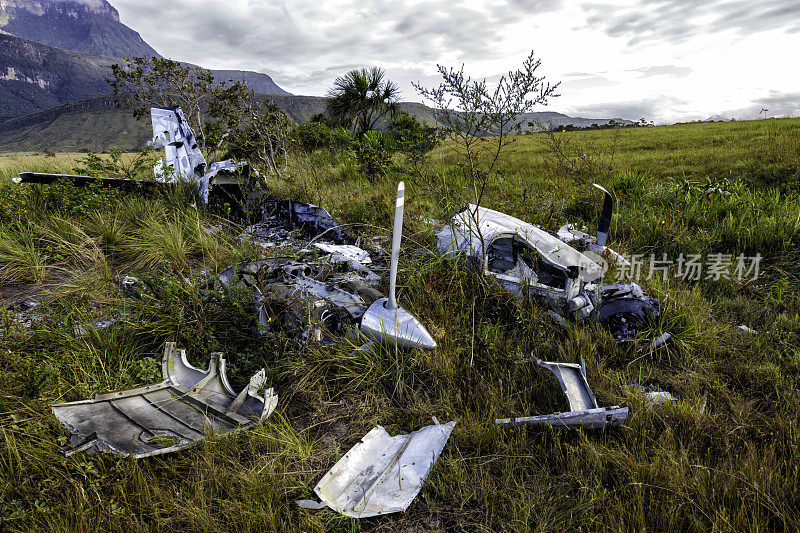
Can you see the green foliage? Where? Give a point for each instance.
(118, 165)
(21, 204)
(480, 122)
(221, 114)
(313, 135)
(414, 140)
(373, 154)
(360, 99)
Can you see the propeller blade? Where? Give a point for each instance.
(604, 224)
(397, 234)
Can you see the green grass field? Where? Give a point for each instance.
(723, 457)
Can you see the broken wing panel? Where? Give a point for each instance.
(383, 474)
(167, 416)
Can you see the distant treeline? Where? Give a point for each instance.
(605, 126)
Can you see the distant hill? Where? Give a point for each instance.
(35, 77)
(89, 26)
(97, 124)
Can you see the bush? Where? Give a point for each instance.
(30, 202)
(373, 155)
(313, 136)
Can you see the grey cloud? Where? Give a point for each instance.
(290, 45)
(678, 20)
(780, 104)
(663, 70)
(587, 81)
(662, 108)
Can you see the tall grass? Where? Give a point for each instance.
(722, 457)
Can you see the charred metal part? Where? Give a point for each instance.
(168, 416)
(277, 214)
(316, 290)
(584, 412)
(565, 270)
(625, 310)
(381, 474)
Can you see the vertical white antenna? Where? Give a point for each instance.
(397, 234)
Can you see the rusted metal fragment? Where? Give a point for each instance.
(381, 474)
(168, 416)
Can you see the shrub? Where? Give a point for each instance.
(373, 156)
(313, 136)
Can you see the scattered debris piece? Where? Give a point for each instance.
(301, 291)
(183, 162)
(584, 412)
(653, 395)
(565, 270)
(381, 474)
(746, 329)
(660, 341)
(558, 319)
(168, 416)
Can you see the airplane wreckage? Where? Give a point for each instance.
(324, 283)
(565, 270)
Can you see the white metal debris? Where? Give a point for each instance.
(584, 412)
(168, 416)
(381, 474)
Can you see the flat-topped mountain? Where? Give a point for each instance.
(90, 26)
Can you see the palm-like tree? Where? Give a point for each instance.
(361, 98)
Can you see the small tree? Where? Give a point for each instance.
(414, 140)
(361, 98)
(481, 122)
(218, 112)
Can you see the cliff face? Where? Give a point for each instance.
(73, 8)
(90, 26)
(34, 77)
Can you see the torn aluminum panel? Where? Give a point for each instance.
(168, 416)
(346, 253)
(565, 269)
(183, 160)
(381, 474)
(584, 412)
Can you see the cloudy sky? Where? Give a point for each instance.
(665, 60)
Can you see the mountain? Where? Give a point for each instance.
(97, 124)
(89, 26)
(35, 77)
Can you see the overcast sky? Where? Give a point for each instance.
(665, 60)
